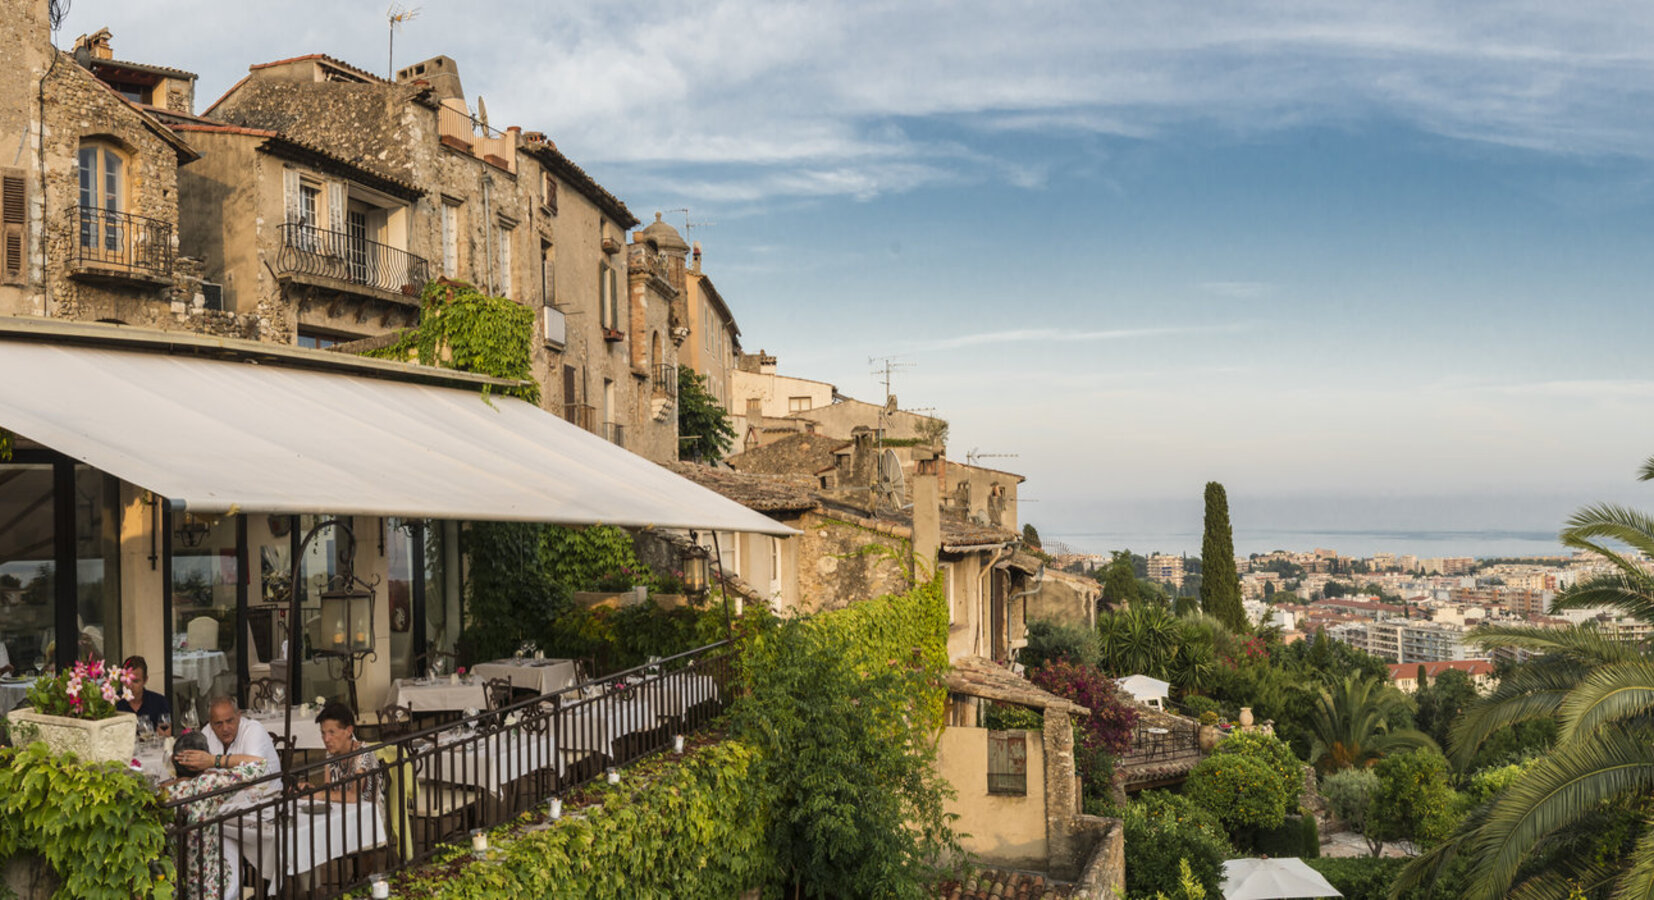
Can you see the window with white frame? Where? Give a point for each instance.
(507, 234)
(450, 238)
(798, 404)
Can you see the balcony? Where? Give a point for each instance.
(615, 433)
(117, 246)
(666, 380)
(582, 415)
(350, 262)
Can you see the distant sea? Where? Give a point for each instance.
(1484, 543)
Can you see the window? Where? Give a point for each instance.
(506, 234)
(608, 299)
(1008, 762)
(947, 588)
(314, 340)
(102, 177)
(450, 238)
(548, 270)
(356, 244)
(798, 404)
(548, 192)
(14, 193)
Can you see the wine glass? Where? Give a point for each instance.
(39, 665)
(436, 667)
(191, 720)
(164, 723)
(278, 693)
(146, 730)
(470, 719)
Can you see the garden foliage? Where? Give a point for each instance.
(1162, 828)
(1242, 791)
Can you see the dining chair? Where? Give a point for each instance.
(202, 633)
(497, 693)
(395, 721)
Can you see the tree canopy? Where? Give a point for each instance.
(1220, 584)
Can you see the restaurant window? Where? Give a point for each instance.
(97, 564)
(28, 571)
(205, 576)
(1008, 762)
(399, 536)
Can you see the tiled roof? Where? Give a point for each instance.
(959, 533)
(1004, 884)
(142, 67)
(795, 454)
(764, 493)
(974, 676)
(1471, 667)
(288, 147)
(565, 168)
(324, 57)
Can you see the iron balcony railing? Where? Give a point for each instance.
(1151, 742)
(434, 786)
(666, 379)
(117, 240)
(351, 258)
(615, 433)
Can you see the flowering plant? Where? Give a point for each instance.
(460, 671)
(88, 691)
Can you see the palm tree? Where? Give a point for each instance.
(1351, 725)
(1541, 837)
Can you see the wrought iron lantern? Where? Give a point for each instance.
(192, 531)
(347, 620)
(697, 570)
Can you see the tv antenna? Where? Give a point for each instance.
(395, 16)
(888, 366)
(688, 225)
(974, 454)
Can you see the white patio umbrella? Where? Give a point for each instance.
(1268, 879)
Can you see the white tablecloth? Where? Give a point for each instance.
(343, 829)
(307, 735)
(439, 695)
(543, 676)
(199, 666)
(599, 725)
(493, 761)
(12, 693)
(679, 691)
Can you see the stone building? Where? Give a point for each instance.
(343, 191)
(89, 223)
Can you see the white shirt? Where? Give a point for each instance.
(251, 739)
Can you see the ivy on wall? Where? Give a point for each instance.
(462, 328)
(99, 826)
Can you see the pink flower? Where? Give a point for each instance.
(460, 670)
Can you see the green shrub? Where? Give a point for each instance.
(1049, 640)
(1162, 828)
(1350, 794)
(1242, 791)
(1366, 878)
(1198, 705)
(1272, 752)
(99, 826)
(1297, 836)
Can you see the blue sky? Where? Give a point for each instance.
(1379, 267)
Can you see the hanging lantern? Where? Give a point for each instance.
(697, 570)
(347, 621)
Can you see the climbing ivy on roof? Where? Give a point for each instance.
(462, 328)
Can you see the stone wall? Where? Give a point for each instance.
(841, 560)
(1104, 874)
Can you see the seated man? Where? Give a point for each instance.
(149, 705)
(238, 739)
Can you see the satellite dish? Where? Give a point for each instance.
(482, 113)
(891, 486)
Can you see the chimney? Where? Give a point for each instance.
(697, 254)
(927, 513)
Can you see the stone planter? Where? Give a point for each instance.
(103, 740)
(608, 599)
(1208, 738)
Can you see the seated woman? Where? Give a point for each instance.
(350, 775)
(150, 705)
(205, 868)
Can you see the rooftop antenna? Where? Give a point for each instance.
(974, 454)
(887, 367)
(396, 15)
(688, 225)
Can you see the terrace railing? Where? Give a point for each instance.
(122, 242)
(434, 786)
(351, 258)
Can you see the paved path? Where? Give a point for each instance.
(1349, 843)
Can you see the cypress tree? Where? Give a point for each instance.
(1219, 584)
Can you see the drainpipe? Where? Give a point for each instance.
(487, 234)
(1039, 585)
(1006, 553)
(45, 269)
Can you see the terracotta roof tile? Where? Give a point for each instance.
(974, 676)
(1004, 884)
(764, 493)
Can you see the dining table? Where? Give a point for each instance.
(542, 676)
(438, 694)
(490, 761)
(199, 666)
(307, 735)
(599, 724)
(12, 692)
(317, 833)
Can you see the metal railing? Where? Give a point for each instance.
(118, 240)
(1153, 742)
(302, 834)
(583, 415)
(614, 433)
(306, 250)
(666, 379)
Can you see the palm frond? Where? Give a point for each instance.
(1636, 881)
(1584, 643)
(1591, 524)
(1559, 881)
(1633, 596)
(1534, 691)
(1557, 791)
(1610, 693)
(1646, 473)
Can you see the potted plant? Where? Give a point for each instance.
(74, 712)
(1208, 731)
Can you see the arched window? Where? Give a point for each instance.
(103, 175)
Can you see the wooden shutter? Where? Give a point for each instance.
(290, 193)
(14, 217)
(336, 207)
(1008, 762)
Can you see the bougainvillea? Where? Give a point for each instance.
(1109, 727)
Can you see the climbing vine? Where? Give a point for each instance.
(462, 328)
(98, 826)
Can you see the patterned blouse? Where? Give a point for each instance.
(371, 786)
(205, 864)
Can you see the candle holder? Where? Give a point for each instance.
(479, 844)
(614, 775)
(378, 887)
(677, 743)
(554, 809)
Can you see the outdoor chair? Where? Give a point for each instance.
(438, 812)
(202, 633)
(395, 721)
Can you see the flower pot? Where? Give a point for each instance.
(1246, 717)
(93, 740)
(1208, 738)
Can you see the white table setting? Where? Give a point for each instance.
(307, 735)
(492, 761)
(681, 691)
(199, 666)
(443, 694)
(542, 676)
(12, 692)
(319, 832)
(599, 723)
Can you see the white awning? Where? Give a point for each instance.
(220, 436)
